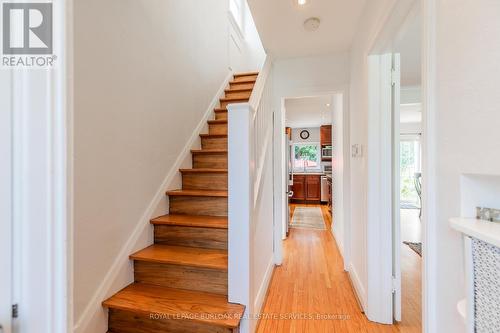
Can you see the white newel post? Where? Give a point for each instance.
(240, 187)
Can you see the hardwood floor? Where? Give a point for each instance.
(312, 282)
(411, 274)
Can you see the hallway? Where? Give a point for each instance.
(312, 281)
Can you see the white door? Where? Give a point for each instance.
(6, 202)
(396, 211)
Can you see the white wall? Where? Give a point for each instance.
(262, 240)
(308, 76)
(145, 73)
(367, 31)
(468, 139)
(340, 172)
(411, 94)
(313, 134)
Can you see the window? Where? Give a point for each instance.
(410, 166)
(306, 157)
(236, 10)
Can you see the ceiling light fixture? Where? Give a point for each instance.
(301, 2)
(327, 104)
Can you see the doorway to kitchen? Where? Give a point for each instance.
(308, 131)
(312, 166)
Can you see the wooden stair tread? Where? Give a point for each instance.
(245, 74)
(203, 170)
(236, 89)
(183, 255)
(208, 151)
(201, 307)
(229, 99)
(198, 193)
(216, 222)
(248, 80)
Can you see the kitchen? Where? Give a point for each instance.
(309, 154)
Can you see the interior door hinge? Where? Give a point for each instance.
(394, 76)
(15, 311)
(393, 285)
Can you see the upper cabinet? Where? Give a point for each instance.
(325, 135)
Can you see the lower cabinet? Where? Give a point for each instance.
(306, 187)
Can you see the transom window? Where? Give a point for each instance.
(306, 157)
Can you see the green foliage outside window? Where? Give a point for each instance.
(306, 157)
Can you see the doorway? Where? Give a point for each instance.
(302, 158)
(395, 174)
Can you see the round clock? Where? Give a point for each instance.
(304, 135)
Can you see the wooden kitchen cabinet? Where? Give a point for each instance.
(325, 135)
(306, 187)
(313, 188)
(299, 187)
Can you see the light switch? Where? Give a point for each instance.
(356, 150)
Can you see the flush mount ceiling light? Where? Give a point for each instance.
(327, 104)
(301, 3)
(312, 24)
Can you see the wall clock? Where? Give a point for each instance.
(304, 135)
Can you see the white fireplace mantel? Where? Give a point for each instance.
(486, 231)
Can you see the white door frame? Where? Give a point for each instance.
(279, 158)
(379, 224)
(42, 187)
(382, 43)
(6, 200)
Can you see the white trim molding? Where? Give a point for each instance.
(429, 178)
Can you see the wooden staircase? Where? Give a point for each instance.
(181, 280)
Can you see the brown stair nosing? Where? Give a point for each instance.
(183, 256)
(217, 121)
(205, 135)
(220, 110)
(245, 74)
(203, 170)
(145, 299)
(201, 221)
(198, 193)
(208, 151)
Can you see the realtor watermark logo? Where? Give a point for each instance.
(27, 33)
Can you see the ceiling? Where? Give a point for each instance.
(308, 111)
(408, 45)
(280, 26)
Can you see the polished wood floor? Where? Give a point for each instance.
(411, 274)
(311, 283)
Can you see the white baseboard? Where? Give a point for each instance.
(120, 273)
(264, 286)
(339, 244)
(358, 286)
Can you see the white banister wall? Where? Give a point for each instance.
(250, 208)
